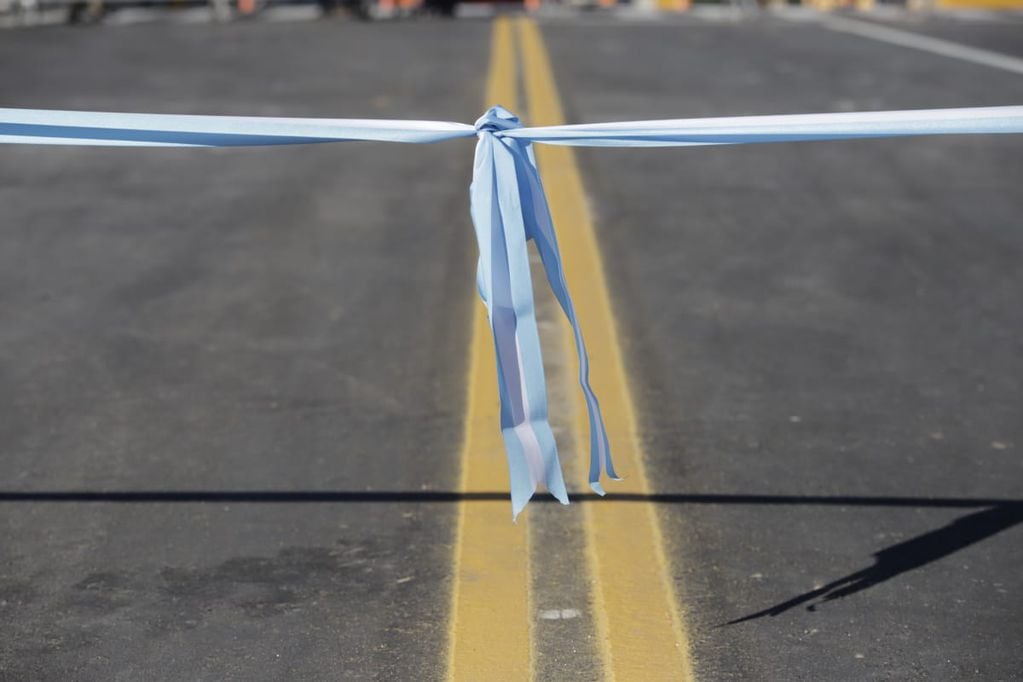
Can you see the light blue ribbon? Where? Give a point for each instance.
(508, 209)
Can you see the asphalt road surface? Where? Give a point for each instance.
(233, 382)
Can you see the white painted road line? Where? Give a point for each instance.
(919, 42)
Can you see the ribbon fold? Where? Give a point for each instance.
(509, 209)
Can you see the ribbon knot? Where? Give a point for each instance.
(496, 119)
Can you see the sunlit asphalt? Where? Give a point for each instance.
(243, 371)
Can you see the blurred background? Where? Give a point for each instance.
(30, 12)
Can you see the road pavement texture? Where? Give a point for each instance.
(822, 339)
(232, 322)
(248, 366)
(1000, 32)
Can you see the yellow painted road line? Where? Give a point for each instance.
(637, 608)
(489, 637)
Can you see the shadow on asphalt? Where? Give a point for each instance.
(994, 516)
(906, 556)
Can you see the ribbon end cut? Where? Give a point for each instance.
(518, 505)
(561, 496)
(597, 488)
(556, 488)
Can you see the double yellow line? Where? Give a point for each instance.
(633, 600)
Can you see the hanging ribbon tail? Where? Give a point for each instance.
(540, 228)
(503, 278)
(509, 208)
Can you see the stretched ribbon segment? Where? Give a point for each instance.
(509, 208)
(45, 126)
(48, 126)
(782, 128)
